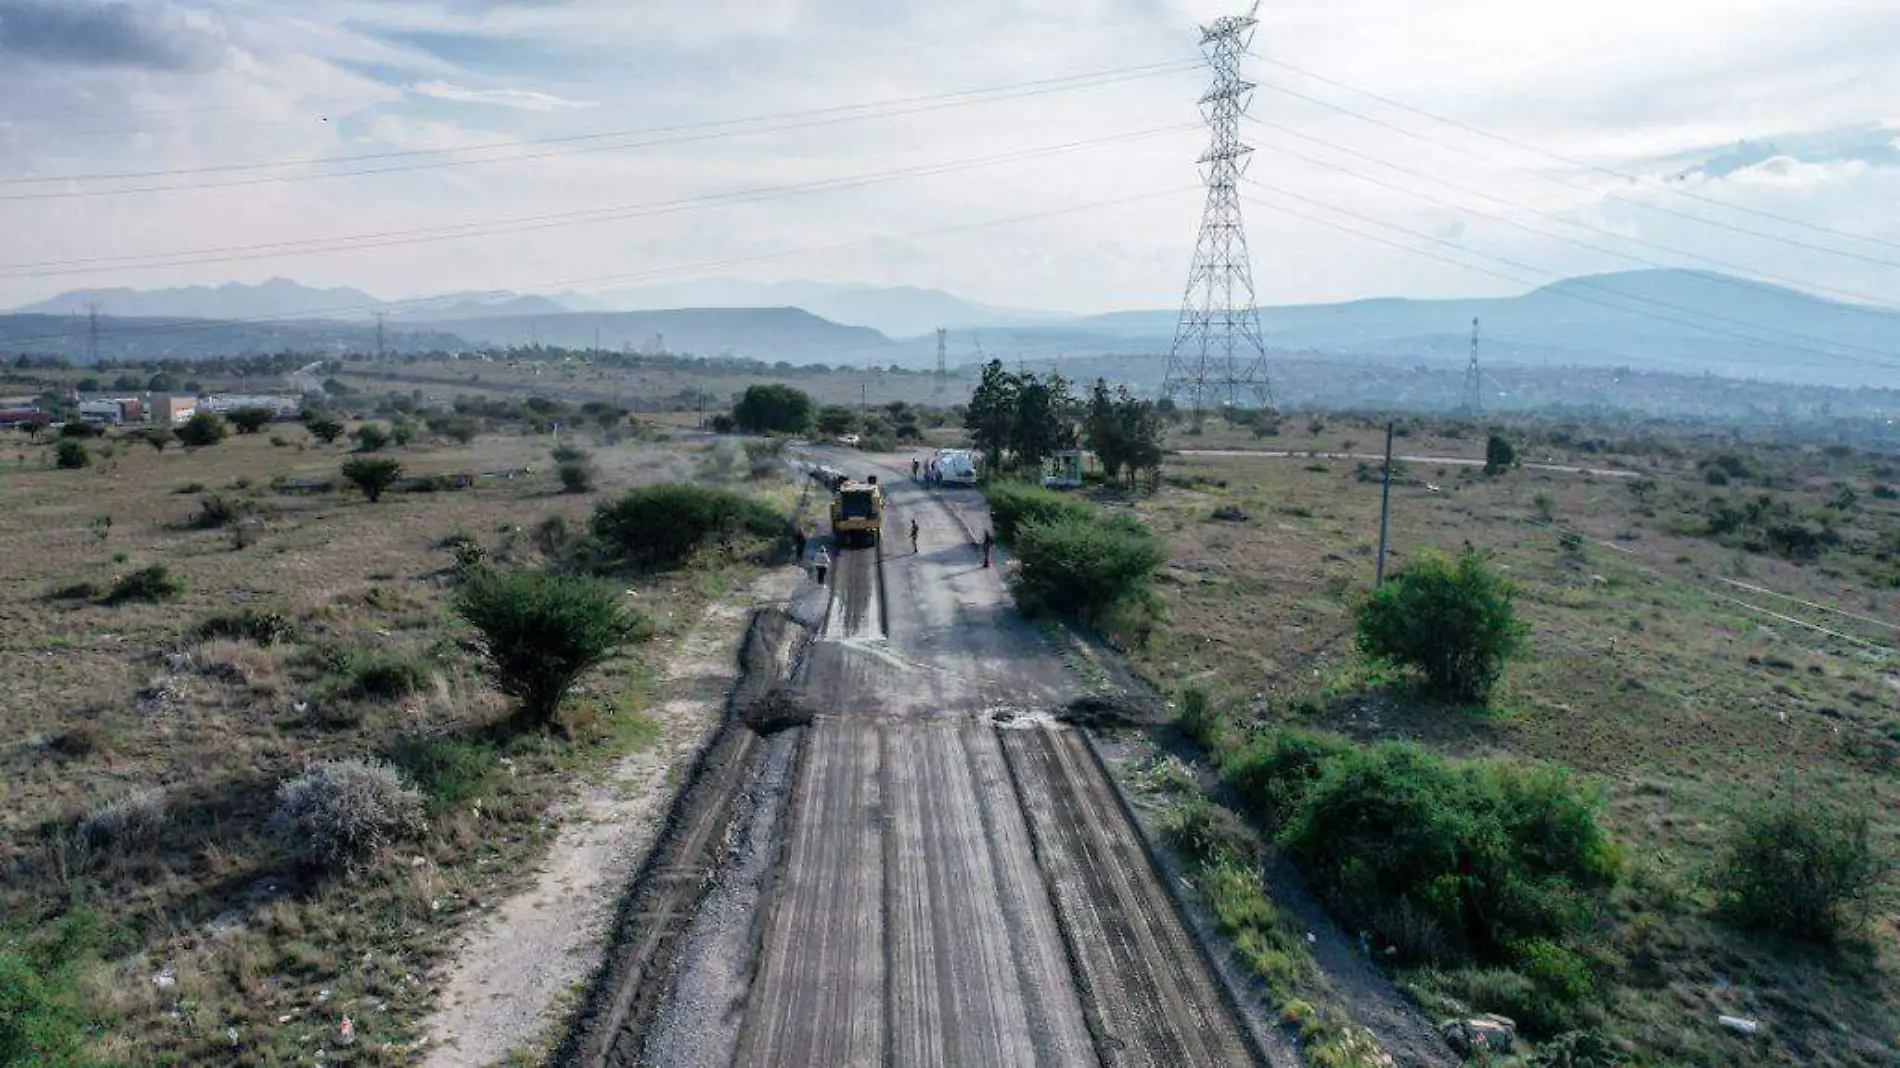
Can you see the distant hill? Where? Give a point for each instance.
(1685, 322)
(771, 334)
(458, 306)
(152, 338)
(233, 300)
(895, 311)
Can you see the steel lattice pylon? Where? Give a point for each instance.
(1472, 401)
(1218, 351)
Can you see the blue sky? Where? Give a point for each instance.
(1782, 108)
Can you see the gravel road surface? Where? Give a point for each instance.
(956, 883)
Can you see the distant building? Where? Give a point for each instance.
(14, 418)
(225, 403)
(168, 410)
(112, 411)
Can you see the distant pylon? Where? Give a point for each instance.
(1472, 402)
(1217, 348)
(92, 335)
(379, 333)
(943, 365)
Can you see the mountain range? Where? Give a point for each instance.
(1664, 320)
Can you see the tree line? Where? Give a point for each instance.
(1023, 419)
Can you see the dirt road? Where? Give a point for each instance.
(954, 880)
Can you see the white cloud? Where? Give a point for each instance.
(1657, 90)
(521, 99)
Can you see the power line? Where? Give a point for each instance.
(568, 283)
(518, 224)
(1884, 313)
(574, 143)
(1795, 242)
(1543, 272)
(1571, 161)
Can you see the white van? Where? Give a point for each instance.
(958, 466)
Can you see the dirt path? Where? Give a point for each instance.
(505, 983)
(941, 876)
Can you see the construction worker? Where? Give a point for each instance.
(821, 564)
(989, 546)
(913, 537)
(798, 542)
(915, 465)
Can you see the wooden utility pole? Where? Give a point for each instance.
(1385, 505)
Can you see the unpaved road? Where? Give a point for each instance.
(952, 880)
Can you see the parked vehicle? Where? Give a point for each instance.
(957, 467)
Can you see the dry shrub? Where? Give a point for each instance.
(133, 820)
(340, 811)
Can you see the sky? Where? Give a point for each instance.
(1023, 153)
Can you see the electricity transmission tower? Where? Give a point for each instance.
(380, 316)
(1472, 402)
(1217, 347)
(92, 335)
(943, 365)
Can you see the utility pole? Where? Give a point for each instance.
(1218, 347)
(92, 334)
(1472, 401)
(1385, 505)
(380, 316)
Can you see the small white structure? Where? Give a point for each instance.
(226, 403)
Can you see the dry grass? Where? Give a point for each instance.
(1645, 670)
(222, 949)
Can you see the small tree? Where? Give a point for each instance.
(1499, 456)
(835, 420)
(541, 631)
(71, 455)
(371, 438)
(1453, 621)
(324, 429)
(1802, 869)
(991, 416)
(773, 408)
(575, 468)
(372, 475)
(158, 437)
(202, 429)
(250, 420)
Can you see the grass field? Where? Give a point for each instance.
(172, 927)
(1684, 676)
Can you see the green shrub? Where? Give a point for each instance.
(377, 675)
(202, 429)
(1092, 570)
(1275, 770)
(249, 624)
(252, 420)
(372, 475)
(152, 583)
(1453, 621)
(130, 820)
(1803, 870)
(217, 510)
(1200, 720)
(1451, 861)
(1207, 833)
(577, 475)
(340, 811)
(662, 526)
(1013, 504)
(541, 631)
(44, 1021)
(371, 438)
(772, 408)
(70, 455)
(1499, 456)
(449, 771)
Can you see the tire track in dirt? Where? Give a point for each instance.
(1151, 1001)
(819, 996)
